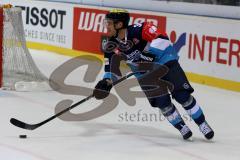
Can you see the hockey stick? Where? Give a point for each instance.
(27, 126)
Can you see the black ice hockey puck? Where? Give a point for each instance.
(22, 136)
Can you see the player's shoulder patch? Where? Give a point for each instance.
(150, 31)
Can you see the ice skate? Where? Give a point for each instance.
(206, 130)
(186, 133)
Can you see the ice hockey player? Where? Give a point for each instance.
(149, 44)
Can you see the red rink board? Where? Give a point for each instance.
(88, 27)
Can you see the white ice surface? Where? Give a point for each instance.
(110, 137)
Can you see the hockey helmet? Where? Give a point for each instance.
(119, 15)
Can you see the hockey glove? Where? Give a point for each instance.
(102, 89)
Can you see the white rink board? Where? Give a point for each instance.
(222, 63)
(215, 28)
(46, 22)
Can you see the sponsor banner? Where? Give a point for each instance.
(88, 27)
(207, 46)
(46, 22)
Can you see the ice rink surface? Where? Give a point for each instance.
(126, 133)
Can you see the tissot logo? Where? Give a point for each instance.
(44, 16)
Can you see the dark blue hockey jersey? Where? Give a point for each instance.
(143, 43)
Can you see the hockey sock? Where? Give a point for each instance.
(194, 110)
(173, 116)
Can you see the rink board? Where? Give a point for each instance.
(209, 48)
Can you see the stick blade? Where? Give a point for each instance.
(22, 125)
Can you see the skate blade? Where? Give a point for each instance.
(190, 139)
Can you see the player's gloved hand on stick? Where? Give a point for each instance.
(102, 89)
